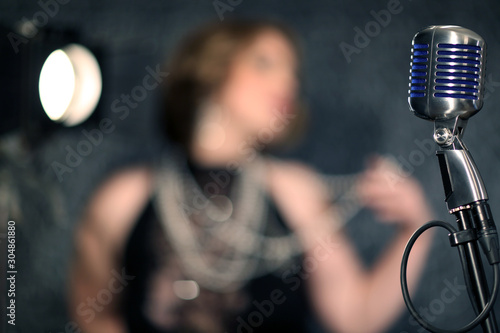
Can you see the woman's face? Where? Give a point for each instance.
(261, 87)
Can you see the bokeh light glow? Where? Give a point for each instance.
(57, 84)
(70, 85)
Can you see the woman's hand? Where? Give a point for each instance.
(393, 196)
(348, 297)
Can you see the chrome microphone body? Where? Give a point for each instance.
(447, 73)
(446, 86)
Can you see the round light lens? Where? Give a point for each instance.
(70, 84)
(57, 84)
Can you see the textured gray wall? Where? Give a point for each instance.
(357, 108)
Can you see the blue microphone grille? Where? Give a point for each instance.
(458, 69)
(447, 73)
(419, 70)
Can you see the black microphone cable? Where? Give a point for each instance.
(404, 283)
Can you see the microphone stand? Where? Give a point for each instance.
(467, 200)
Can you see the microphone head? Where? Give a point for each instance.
(447, 73)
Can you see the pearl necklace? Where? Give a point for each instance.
(222, 248)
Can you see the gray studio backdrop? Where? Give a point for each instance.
(356, 90)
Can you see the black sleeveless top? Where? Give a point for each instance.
(276, 302)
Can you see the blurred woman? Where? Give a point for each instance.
(220, 237)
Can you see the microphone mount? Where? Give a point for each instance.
(461, 178)
(465, 193)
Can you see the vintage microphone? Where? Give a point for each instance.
(447, 86)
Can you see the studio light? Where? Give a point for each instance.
(49, 81)
(70, 84)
